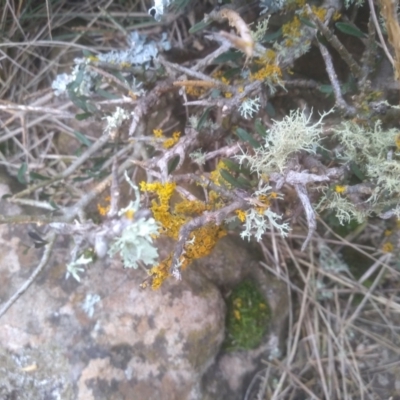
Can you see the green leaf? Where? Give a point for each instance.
(230, 179)
(71, 87)
(270, 109)
(179, 5)
(91, 107)
(350, 29)
(215, 93)
(119, 76)
(173, 164)
(307, 22)
(203, 119)
(21, 173)
(86, 53)
(230, 55)
(246, 137)
(260, 128)
(326, 89)
(231, 165)
(83, 116)
(98, 163)
(82, 138)
(322, 39)
(199, 26)
(273, 36)
(230, 73)
(79, 101)
(106, 94)
(245, 183)
(357, 171)
(53, 204)
(40, 177)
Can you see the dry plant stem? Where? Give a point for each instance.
(28, 219)
(379, 31)
(42, 110)
(144, 104)
(109, 76)
(32, 203)
(369, 56)
(228, 105)
(43, 262)
(286, 371)
(72, 168)
(244, 41)
(74, 210)
(357, 248)
(312, 334)
(365, 298)
(203, 181)
(296, 338)
(334, 81)
(310, 213)
(181, 149)
(205, 84)
(389, 12)
(334, 41)
(226, 151)
(355, 286)
(211, 57)
(114, 191)
(195, 74)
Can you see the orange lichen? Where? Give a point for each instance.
(201, 241)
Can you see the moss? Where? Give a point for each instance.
(247, 318)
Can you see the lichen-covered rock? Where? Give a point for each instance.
(103, 338)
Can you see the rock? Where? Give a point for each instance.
(104, 338)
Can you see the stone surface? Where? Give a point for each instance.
(112, 339)
(105, 338)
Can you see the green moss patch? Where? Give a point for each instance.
(247, 318)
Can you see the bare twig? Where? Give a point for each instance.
(43, 262)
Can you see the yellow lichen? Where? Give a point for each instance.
(158, 133)
(387, 247)
(397, 141)
(201, 240)
(340, 189)
(319, 12)
(241, 215)
(269, 71)
(104, 209)
(292, 28)
(172, 141)
(129, 214)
